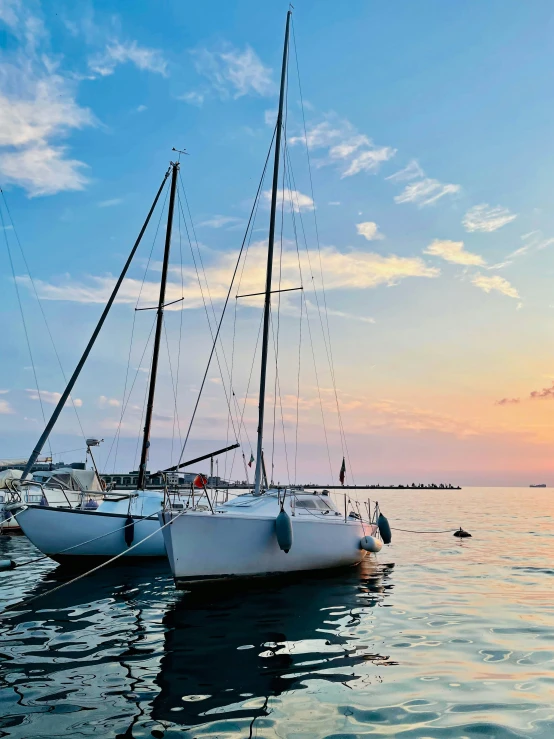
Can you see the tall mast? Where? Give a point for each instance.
(158, 336)
(65, 395)
(267, 303)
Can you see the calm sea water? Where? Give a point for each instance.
(435, 637)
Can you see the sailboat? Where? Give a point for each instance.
(64, 486)
(122, 521)
(266, 531)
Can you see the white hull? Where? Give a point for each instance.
(53, 530)
(221, 545)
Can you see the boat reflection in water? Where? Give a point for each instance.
(121, 653)
(228, 651)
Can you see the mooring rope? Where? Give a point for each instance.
(81, 544)
(25, 603)
(412, 531)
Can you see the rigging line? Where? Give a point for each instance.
(68, 451)
(311, 183)
(23, 320)
(214, 340)
(257, 203)
(298, 393)
(124, 408)
(278, 390)
(144, 402)
(25, 603)
(230, 398)
(276, 344)
(41, 308)
(173, 387)
(318, 386)
(180, 340)
(294, 191)
(248, 387)
(328, 350)
(309, 328)
(253, 210)
(231, 381)
(152, 248)
(123, 404)
(332, 364)
(152, 517)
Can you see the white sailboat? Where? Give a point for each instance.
(62, 487)
(68, 535)
(122, 522)
(266, 532)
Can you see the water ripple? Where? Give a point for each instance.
(436, 638)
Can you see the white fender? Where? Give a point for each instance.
(370, 544)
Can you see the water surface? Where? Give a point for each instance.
(434, 637)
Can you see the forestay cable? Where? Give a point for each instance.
(225, 304)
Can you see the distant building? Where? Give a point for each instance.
(42, 466)
(129, 480)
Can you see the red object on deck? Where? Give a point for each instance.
(200, 481)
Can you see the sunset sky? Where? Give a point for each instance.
(429, 127)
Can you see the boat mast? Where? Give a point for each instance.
(65, 395)
(158, 336)
(267, 303)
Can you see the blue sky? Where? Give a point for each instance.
(429, 127)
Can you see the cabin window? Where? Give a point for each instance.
(63, 479)
(126, 480)
(313, 503)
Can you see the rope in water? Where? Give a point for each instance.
(412, 531)
(25, 603)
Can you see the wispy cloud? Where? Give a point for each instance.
(104, 402)
(369, 230)
(347, 148)
(293, 198)
(141, 108)
(369, 160)
(392, 414)
(231, 73)
(37, 108)
(221, 222)
(532, 241)
(411, 172)
(127, 52)
(426, 192)
(486, 218)
(48, 396)
(193, 98)
(496, 284)
(508, 401)
(453, 251)
(9, 11)
(5, 408)
(110, 203)
(343, 270)
(547, 393)
(343, 314)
